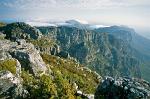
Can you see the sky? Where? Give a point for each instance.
(133, 13)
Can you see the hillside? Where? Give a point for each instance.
(34, 74)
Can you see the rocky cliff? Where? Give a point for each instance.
(140, 45)
(101, 51)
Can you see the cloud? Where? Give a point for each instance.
(80, 4)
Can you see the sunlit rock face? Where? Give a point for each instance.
(27, 55)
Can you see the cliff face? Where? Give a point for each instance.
(139, 44)
(101, 51)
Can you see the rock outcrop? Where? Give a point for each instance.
(25, 53)
(20, 30)
(123, 88)
(10, 85)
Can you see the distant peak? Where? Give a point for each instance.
(77, 21)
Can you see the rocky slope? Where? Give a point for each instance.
(27, 73)
(123, 88)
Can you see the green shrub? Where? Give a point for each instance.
(47, 86)
(9, 65)
(64, 88)
(42, 42)
(2, 24)
(39, 87)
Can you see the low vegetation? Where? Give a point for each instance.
(9, 65)
(73, 72)
(2, 24)
(61, 83)
(42, 42)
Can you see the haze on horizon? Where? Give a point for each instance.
(133, 13)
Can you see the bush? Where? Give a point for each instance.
(39, 87)
(2, 24)
(43, 42)
(9, 65)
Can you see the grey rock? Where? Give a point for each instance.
(84, 96)
(10, 85)
(18, 68)
(30, 58)
(21, 41)
(2, 36)
(123, 88)
(25, 53)
(4, 55)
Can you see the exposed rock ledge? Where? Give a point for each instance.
(123, 88)
(25, 53)
(10, 85)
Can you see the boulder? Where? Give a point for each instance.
(2, 36)
(84, 96)
(123, 88)
(25, 53)
(4, 55)
(10, 85)
(29, 58)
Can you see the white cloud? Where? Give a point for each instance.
(81, 4)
